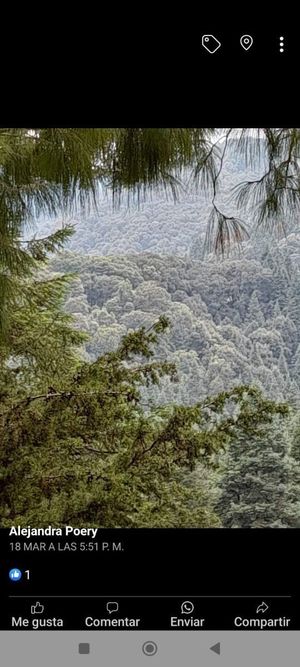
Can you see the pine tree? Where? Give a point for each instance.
(295, 436)
(261, 484)
(291, 309)
(76, 443)
(255, 356)
(45, 170)
(283, 367)
(293, 394)
(277, 310)
(255, 316)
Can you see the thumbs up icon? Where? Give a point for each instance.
(37, 608)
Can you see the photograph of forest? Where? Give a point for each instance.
(150, 327)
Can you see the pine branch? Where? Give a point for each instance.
(63, 394)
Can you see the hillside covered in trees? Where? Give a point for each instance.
(148, 380)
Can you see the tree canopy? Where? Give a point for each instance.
(53, 169)
(79, 440)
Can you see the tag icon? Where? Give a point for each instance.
(246, 42)
(210, 43)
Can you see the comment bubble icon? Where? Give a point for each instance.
(112, 607)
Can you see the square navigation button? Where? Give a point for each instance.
(83, 649)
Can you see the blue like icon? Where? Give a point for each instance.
(15, 574)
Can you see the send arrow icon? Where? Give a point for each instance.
(216, 648)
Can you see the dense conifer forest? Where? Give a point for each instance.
(150, 328)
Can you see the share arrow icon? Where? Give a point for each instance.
(262, 608)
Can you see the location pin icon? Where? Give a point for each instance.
(246, 42)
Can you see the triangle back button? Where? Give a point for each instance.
(216, 648)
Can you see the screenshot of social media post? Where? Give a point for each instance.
(150, 395)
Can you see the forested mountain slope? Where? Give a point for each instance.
(233, 322)
(158, 223)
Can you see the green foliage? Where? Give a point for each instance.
(76, 444)
(260, 478)
(40, 172)
(143, 158)
(46, 170)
